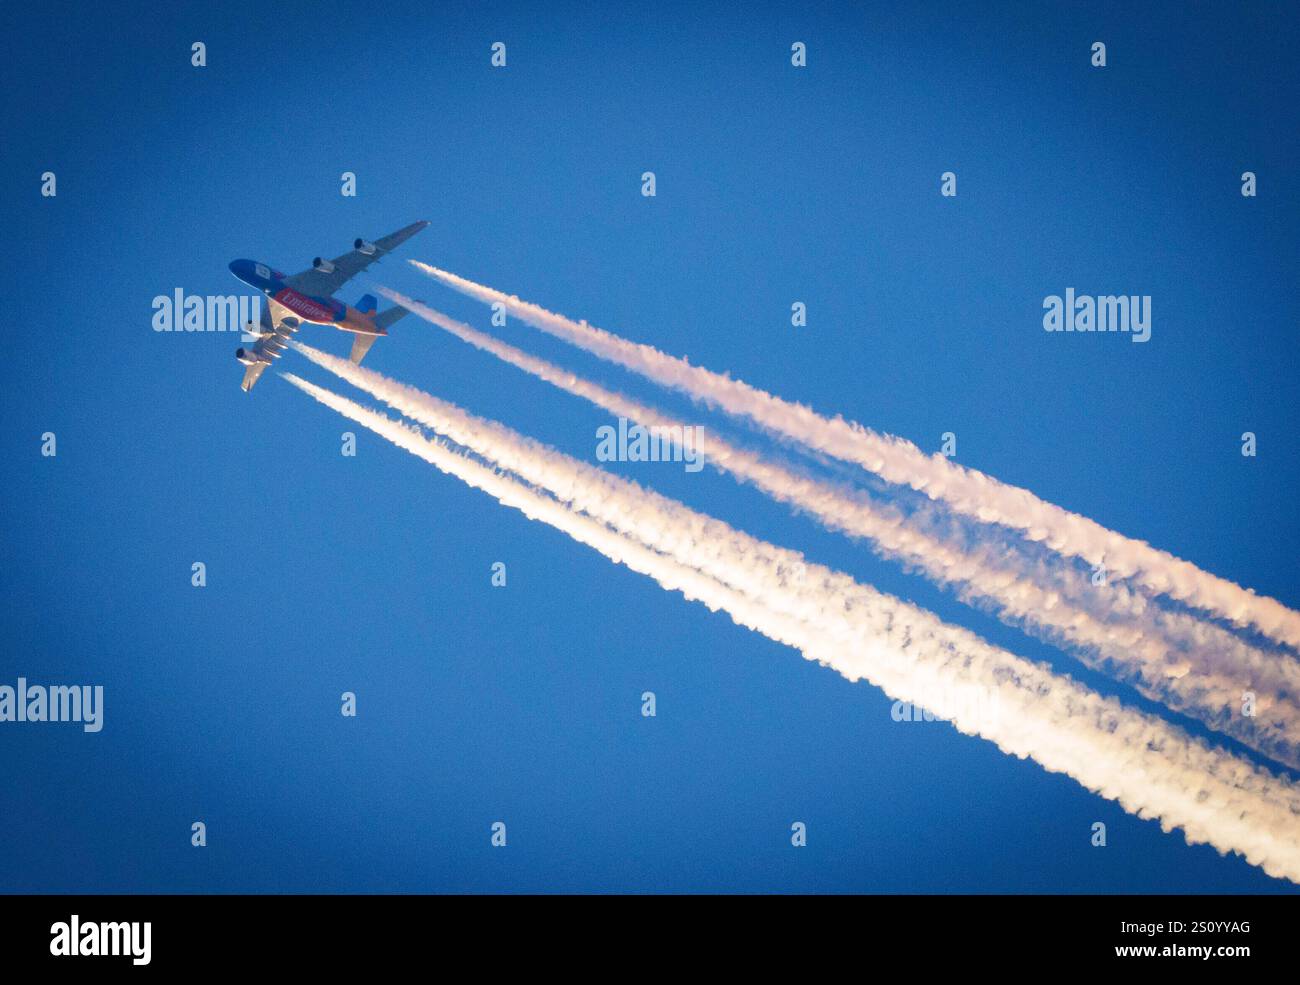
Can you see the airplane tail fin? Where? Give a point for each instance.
(368, 305)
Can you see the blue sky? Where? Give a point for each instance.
(371, 574)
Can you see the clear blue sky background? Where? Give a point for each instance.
(371, 574)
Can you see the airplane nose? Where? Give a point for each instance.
(244, 270)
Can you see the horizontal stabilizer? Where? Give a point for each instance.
(360, 346)
(385, 319)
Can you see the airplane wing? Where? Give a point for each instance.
(318, 283)
(251, 375)
(272, 339)
(279, 315)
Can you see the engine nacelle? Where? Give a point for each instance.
(366, 247)
(246, 357)
(324, 266)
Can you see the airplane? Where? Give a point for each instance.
(309, 297)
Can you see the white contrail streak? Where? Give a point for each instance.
(967, 491)
(1133, 644)
(1149, 766)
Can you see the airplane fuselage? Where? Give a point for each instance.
(317, 311)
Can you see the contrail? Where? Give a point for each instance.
(1149, 766)
(1137, 649)
(896, 460)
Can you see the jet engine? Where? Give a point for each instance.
(366, 247)
(324, 266)
(246, 357)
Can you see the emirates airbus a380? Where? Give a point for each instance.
(308, 297)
